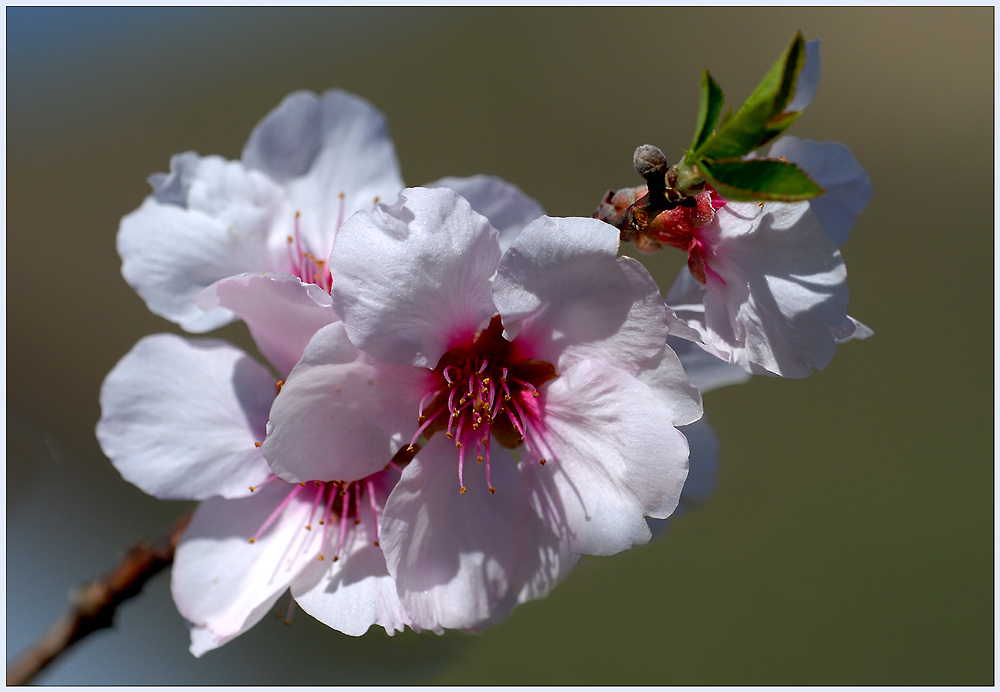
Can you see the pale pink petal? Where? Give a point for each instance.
(464, 560)
(412, 280)
(341, 415)
(778, 292)
(223, 583)
(666, 377)
(703, 466)
(281, 312)
(614, 457)
(565, 297)
(852, 329)
(179, 418)
(206, 220)
(846, 187)
(322, 147)
(506, 206)
(705, 370)
(355, 592)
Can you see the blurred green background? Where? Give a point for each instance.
(850, 539)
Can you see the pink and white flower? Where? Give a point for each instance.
(184, 419)
(308, 165)
(766, 286)
(311, 163)
(535, 389)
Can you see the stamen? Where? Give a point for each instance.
(276, 512)
(312, 510)
(343, 519)
(489, 482)
(371, 501)
(461, 464)
(291, 611)
(270, 478)
(413, 443)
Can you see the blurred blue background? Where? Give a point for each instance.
(850, 538)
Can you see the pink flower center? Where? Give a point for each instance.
(679, 228)
(484, 390)
(344, 504)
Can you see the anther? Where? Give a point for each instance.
(461, 491)
(492, 490)
(258, 444)
(541, 461)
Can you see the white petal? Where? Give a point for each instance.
(464, 560)
(341, 415)
(785, 290)
(281, 312)
(180, 418)
(565, 297)
(355, 592)
(223, 583)
(703, 466)
(808, 81)
(322, 147)
(666, 377)
(614, 457)
(853, 330)
(846, 187)
(412, 280)
(208, 219)
(508, 209)
(705, 370)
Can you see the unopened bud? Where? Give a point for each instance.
(650, 161)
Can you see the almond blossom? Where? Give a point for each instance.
(308, 165)
(535, 392)
(184, 419)
(767, 286)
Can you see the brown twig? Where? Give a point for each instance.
(93, 605)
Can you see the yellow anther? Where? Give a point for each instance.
(479, 460)
(309, 527)
(319, 557)
(409, 448)
(252, 488)
(458, 444)
(462, 490)
(492, 490)
(376, 544)
(542, 462)
(257, 444)
(253, 540)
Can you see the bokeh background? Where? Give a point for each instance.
(851, 535)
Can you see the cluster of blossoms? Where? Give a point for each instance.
(464, 395)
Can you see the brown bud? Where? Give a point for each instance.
(650, 161)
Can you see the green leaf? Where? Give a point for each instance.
(759, 179)
(709, 108)
(778, 84)
(761, 117)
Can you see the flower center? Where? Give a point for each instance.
(485, 390)
(331, 502)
